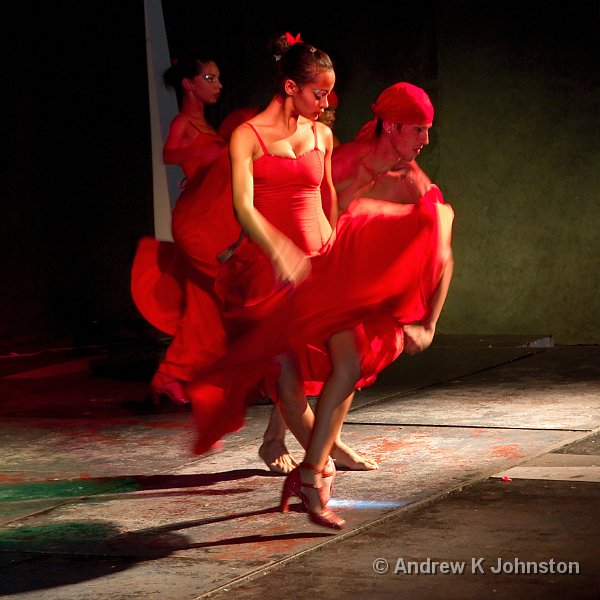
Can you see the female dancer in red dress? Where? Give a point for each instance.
(167, 292)
(163, 289)
(309, 309)
(176, 298)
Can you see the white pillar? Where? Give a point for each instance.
(163, 107)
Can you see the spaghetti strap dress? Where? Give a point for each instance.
(376, 272)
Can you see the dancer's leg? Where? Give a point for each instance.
(294, 407)
(332, 406)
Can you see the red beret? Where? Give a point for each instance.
(399, 103)
(404, 103)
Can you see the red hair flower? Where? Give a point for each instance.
(291, 40)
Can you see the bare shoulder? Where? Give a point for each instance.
(243, 141)
(404, 184)
(179, 118)
(179, 123)
(324, 136)
(347, 159)
(419, 177)
(415, 170)
(323, 130)
(242, 132)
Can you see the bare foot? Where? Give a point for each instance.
(277, 457)
(348, 458)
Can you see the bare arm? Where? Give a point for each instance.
(290, 263)
(328, 177)
(419, 336)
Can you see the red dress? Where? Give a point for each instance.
(172, 283)
(375, 273)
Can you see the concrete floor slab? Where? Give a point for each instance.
(96, 447)
(565, 396)
(409, 373)
(589, 445)
(532, 521)
(555, 473)
(476, 405)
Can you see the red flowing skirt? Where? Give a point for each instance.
(378, 273)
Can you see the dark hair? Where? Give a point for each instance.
(186, 66)
(298, 61)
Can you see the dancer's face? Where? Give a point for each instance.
(328, 117)
(206, 85)
(311, 99)
(408, 139)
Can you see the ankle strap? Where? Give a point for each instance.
(306, 465)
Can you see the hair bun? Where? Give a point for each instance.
(282, 43)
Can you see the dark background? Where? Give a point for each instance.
(514, 148)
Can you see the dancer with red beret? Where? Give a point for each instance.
(380, 164)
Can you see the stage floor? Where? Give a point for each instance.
(488, 449)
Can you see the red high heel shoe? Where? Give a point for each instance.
(165, 385)
(293, 487)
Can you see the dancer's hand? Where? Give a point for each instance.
(417, 338)
(291, 264)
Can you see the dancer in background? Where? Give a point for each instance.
(164, 289)
(328, 116)
(192, 142)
